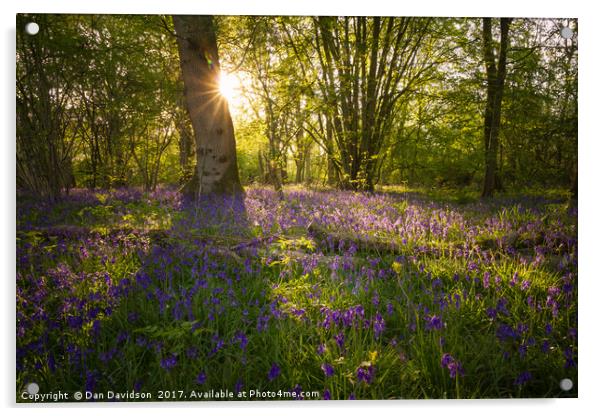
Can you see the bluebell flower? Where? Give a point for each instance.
(192, 353)
(340, 339)
(433, 322)
(569, 360)
(454, 366)
(297, 392)
(238, 386)
(365, 374)
(505, 332)
(169, 362)
(486, 277)
(522, 350)
(389, 309)
(201, 378)
(328, 369)
(548, 328)
(379, 325)
(514, 279)
(91, 380)
(75, 322)
(523, 378)
(274, 372)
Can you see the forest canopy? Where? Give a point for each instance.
(350, 102)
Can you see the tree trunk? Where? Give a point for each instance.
(307, 168)
(375, 60)
(496, 75)
(217, 167)
(332, 178)
(186, 140)
(299, 166)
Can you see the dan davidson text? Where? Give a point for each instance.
(114, 395)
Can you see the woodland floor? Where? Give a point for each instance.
(389, 295)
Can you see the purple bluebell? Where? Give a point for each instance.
(486, 277)
(522, 350)
(328, 369)
(523, 378)
(454, 367)
(238, 386)
(569, 358)
(365, 374)
(389, 309)
(321, 348)
(297, 390)
(378, 324)
(340, 339)
(274, 372)
(433, 322)
(491, 313)
(169, 362)
(201, 378)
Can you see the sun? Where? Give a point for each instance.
(229, 87)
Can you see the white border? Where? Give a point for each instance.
(589, 204)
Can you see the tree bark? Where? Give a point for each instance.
(496, 75)
(186, 139)
(368, 65)
(217, 167)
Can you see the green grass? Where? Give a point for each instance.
(215, 298)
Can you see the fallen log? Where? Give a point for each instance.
(327, 239)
